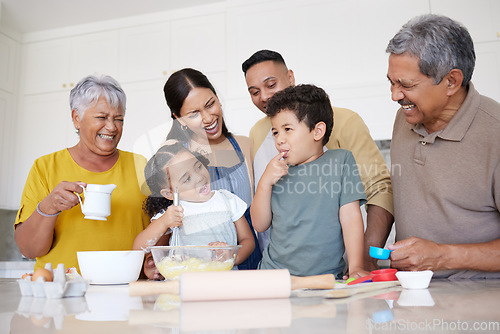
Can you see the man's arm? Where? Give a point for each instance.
(351, 133)
(378, 227)
(420, 254)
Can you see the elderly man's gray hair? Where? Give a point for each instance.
(440, 43)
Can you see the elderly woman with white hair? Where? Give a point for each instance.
(50, 225)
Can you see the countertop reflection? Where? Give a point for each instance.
(446, 307)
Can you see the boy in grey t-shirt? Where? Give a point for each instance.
(309, 197)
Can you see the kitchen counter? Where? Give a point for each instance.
(446, 307)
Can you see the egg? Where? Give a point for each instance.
(27, 275)
(39, 320)
(42, 272)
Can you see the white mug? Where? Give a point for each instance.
(97, 204)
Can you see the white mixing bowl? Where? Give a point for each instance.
(110, 267)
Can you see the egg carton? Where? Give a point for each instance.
(63, 285)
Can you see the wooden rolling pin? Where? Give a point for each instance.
(233, 285)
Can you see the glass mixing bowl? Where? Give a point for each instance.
(171, 261)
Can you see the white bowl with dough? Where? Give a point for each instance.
(110, 267)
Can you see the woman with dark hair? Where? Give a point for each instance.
(199, 125)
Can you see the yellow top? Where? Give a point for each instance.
(72, 232)
(349, 133)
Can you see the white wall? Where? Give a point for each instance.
(336, 44)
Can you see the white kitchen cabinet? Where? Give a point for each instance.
(350, 42)
(200, 43)
(351, 63)
(256, 26)
(94, 54)
(147, 120)
(145, 52)
(486, 76)
(44, 126)
(480, 17)
(331, 44)
(8, 63)
(46, 66)
(55, 65)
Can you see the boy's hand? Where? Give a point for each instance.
(172, 217)
(356, 273)
(275, 170)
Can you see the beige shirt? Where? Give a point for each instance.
(447, 183)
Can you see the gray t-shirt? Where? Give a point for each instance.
(306, 235)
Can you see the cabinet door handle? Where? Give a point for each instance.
(72, 85)
(64, 85)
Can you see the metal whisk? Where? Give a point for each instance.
(175, 238)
